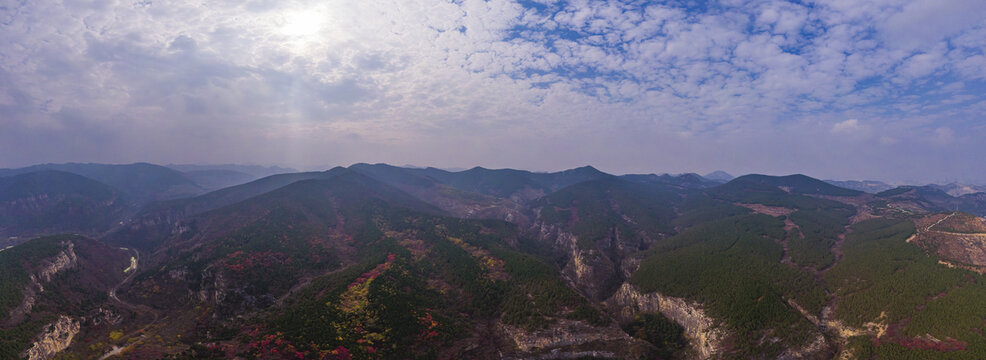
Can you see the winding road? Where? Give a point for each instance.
(939, 221)
(132, 270)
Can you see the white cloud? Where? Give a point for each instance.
(846, 126)
(401, 73)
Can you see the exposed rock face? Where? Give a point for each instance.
(56, 337)
(590, 272)
(65, 259)
(31, 202)
(587, 270)
(703, 334)
(817, 347)
(566, 339)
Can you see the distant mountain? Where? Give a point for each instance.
(234, 194)
(141, 182)
(794, 184)
(508, 183)
(455, 201)
(218, 179)
(930, 193)
(157, 221)
(49, 202)
(719, 175)
(957, 189)
(517, 185)
(926, 199)
(256, 171)
(690, 180)
(869, 186)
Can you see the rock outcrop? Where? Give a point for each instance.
(56, 337)
(63, 260)
(569, 339)
(48, 268)
(817, 347)
(588, 270)
(703, 333)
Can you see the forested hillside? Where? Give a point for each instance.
(384, 262)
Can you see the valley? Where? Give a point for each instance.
(375, 261)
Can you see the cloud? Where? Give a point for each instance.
(237, 81)
(846, 127)
(943, 136)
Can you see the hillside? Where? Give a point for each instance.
(928, 199)
(157, 221)
(957, 238)
(794, 184)
(58, 283)
(50, 202)
(377, 261)
(516, 185)
(421, 284)
(595, 225)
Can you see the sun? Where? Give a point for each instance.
(302, 24)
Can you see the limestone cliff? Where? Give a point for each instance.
(588, 270)
(48, 268)
(63, 260)
(574, 339)
(704, 334)
(56, 337)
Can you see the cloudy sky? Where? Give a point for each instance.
(881, 89)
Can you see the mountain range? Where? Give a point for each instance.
(374, 261)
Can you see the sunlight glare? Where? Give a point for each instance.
(303, 23)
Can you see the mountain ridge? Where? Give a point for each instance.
(488, 263)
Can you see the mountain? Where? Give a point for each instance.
(684, 180)
(455, 201)
(517, 185)
(869, 186)
(49, 202)
(957, 189)
(379, 272)
(595, 225)
(141, 182)
(256, 171)
(479, 193)
(158, 220)
(720, 176)
(383, 262)
(218, 179)
(794, 184)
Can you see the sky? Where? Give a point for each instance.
(841, 89)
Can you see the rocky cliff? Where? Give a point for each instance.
(704, 334)
(568, 339)
(48, 268)
(588, 270)
(56, 337)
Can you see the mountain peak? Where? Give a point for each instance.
(719, 175)
(796, 183)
